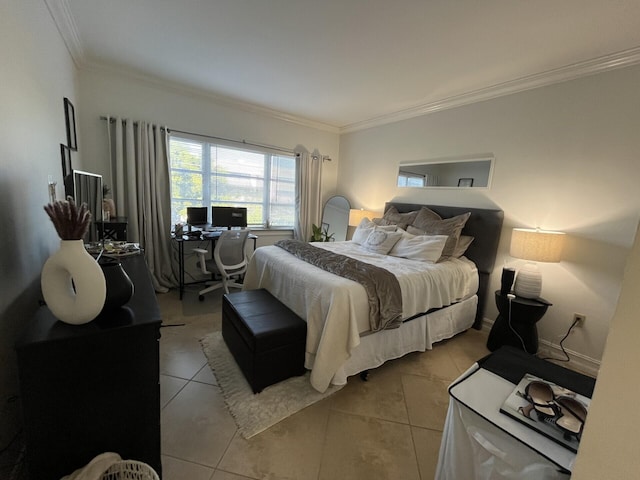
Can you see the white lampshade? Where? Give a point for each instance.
(356, 216)
(536, 246)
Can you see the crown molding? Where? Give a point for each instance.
(63, 18)
(219, 99)
(602, 64)
(66, 25)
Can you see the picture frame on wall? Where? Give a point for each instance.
(65, 154)
(70, 120)
(465, 182)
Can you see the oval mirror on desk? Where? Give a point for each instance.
(335, 217)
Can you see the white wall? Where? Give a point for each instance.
(37, 73)
(566, 159)
(110, 93)
(608, 448)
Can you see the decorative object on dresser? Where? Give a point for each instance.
(73, 285)
(119, 286)
(535, 246)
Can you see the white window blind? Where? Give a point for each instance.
(205, 173)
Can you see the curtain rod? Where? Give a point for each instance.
(244, 142)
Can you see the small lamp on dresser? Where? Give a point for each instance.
(535, 246)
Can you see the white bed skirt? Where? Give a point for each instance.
(416, 335)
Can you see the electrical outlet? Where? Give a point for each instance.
(579, 319)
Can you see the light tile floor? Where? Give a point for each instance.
(386, 428)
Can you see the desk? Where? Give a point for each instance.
(211, 237)
(478, 440)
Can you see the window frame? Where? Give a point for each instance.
(207, 144)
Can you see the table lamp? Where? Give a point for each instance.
(356, 216)
(535, 246)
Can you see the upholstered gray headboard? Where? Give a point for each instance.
(485, 225)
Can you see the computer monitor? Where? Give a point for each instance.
(228, 216)
(197, 215)
(86, 187)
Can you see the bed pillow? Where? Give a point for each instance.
(425, 214)
(363, 230)
(365, 227)
(424, 248)
(463, 243)
(381, 241)
(393, 217)
(448, 226)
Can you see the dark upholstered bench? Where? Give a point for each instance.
(266, 339)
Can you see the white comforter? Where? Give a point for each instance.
(336, 309)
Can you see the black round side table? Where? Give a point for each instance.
(525, 313)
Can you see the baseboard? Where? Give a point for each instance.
(577, 361)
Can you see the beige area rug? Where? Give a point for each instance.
(254, 413)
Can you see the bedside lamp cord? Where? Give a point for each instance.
(511, 296)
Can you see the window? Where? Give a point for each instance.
(406, 179)
(206, 174)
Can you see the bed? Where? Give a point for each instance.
(340, 341)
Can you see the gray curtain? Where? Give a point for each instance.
(139, 171)
(308, 193)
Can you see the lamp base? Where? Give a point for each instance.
(528, 282)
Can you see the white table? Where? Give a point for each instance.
(479, 442)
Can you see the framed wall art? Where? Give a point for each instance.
(65, 154)
(70, 119)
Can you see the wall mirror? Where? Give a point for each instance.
(335, 217)
(461, 172)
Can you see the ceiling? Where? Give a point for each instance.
(348, 64)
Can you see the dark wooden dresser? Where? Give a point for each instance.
(93, 388)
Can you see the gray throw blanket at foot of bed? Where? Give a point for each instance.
(382, 287)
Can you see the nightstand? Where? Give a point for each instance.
(525, 313)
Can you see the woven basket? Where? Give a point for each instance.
(130, 470)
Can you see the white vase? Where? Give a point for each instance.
(73, 285)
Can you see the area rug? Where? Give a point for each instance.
(254, 413)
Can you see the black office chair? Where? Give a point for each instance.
(229, 261)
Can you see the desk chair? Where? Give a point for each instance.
(229, 260)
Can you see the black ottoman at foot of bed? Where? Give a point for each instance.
(264, 336)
